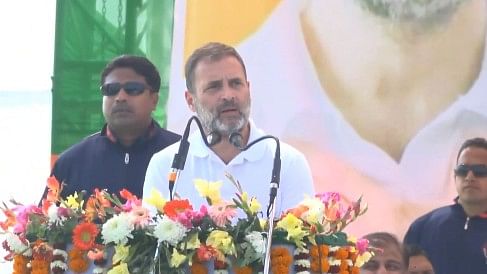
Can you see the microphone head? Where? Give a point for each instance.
(213, 138)
(236, 139)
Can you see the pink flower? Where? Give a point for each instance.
(139, 216)
(190, 218)
(362, 245)
(185, 218)
(221, 213)
(23, 213)
(329, 197)
(130, 204)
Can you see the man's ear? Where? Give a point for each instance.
(190, 100)
(155, 99)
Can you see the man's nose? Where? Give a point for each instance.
(382, 270)
(121, 95)
(228, 92)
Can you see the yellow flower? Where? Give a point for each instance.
(208, 190)
(363, 258)
(244, 196)
(155, 199)
(119, 269)
(176, 258)
(289, 222)
(293, 226)
(254, 205)
(121, 253)
(72, 201)
(222, 241)
(192, 243)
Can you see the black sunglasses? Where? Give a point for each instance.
(477, 170)
(131, 88)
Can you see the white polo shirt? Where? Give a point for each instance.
(252, 168)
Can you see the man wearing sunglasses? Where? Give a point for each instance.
(455, 236)
(117, 157)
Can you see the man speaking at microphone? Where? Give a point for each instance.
(219, 93)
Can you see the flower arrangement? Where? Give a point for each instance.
(315, 228)
(118, 234)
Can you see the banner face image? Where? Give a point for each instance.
(379, 95)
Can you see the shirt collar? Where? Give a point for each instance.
(149, 133)
(482, 215)
(256, 152)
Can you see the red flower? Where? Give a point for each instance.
(84, 235)
(174, 207)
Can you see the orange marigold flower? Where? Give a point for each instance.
(315, 265)
(78, 265)
(174, 207)
(198, 268)
(40, 266)
(242, 270)
(341, 253)
(322, 251)
(77, 260)
(84, 235)
(75, 253)
(280, 260)
(355, 270)
(20, 264)
(42, 251)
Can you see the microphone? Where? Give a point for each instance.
(179, 159)
(235, 138)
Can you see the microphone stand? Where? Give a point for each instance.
(235, 139)
(177, 166)
(179, 159)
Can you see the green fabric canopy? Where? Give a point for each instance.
(89, 33)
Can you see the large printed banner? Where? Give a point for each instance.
(378, 95)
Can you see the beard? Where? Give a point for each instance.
(211, 121)
(423, 11)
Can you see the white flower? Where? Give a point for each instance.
(16, 245)
(117, 229)
(54, 217)
(315, 211)
(59, 264)
(60, 252)
(257, 241)
(169, 231)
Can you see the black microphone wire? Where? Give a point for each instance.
(179, 159)
(235, 139)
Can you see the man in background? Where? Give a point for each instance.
(417, 260)
(455, 236)
(389, 259)
(117, 157)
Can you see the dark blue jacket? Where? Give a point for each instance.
(101, 162)
(454, 243)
